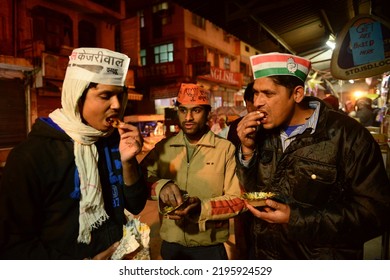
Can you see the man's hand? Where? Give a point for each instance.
(246, 130)
(131, 141)
(274, 212)
(171, 195)
(129, 146)
(192, 209)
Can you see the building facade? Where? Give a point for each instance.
(36, 39)
(167, 45)
(178, 46)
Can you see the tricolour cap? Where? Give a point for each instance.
(272, 64)
(98, 65)
(192, 94)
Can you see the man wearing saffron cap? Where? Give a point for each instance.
(332, 193)
(200, 164)
(64, 190)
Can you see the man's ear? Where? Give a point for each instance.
(299, 94)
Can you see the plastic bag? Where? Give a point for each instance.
(134, 244)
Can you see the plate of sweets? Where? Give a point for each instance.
(257, 199)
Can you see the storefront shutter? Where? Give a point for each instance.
(13, 124)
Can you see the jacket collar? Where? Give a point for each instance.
(208, 139)
(323, 114)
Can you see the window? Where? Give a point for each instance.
(141, 18)
(246, 48)
(163, 53)
(244, 68)
(198, 21)
(142, 54)
(161, 17)
(52, 27)
(87, 34)
(162, 11)
(163, 6)
(216, 60)
(226, 63)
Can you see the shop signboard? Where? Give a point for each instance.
(223, 76)
(362, 49)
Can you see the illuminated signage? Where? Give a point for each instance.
(362, 49)
(223, 76)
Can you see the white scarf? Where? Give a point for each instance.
(92, 213)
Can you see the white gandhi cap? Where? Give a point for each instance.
(98, 65)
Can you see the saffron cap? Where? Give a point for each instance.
(192, 94)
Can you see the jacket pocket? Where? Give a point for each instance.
(313, 182)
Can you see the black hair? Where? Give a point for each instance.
(84, 94)
(287, 81)
(363, 102)
(249, 93)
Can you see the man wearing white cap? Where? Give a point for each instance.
(64, 189)
(332, 193)
(200, 164)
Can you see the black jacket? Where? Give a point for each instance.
(232, 133)
(335, 183)
(39, 198)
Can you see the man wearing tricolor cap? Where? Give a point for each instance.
(200, 164)
(64, 190)
(331, 190)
